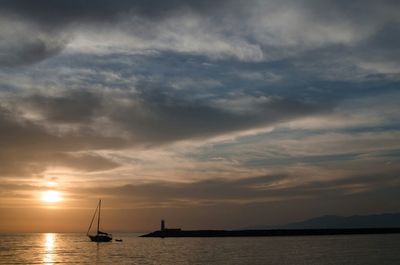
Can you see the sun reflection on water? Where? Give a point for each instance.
(49, 247)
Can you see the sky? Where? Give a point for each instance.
(209, 114)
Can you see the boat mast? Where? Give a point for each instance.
(94, 215)
(98, 219)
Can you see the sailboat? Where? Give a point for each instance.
(100, 236)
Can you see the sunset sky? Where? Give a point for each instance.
(210, 114)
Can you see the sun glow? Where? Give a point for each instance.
(51, 196)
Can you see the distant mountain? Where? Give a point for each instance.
(333, 221)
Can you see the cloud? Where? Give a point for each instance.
(83, 162)
(269, 188)
(17, 53)
(74, 106)
(24, 44)
(253, 31)
(48, 11)
(29, 148)
(153, 113)
(163, 120)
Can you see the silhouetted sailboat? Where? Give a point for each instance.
(100, 236)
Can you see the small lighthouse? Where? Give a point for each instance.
(162, 225)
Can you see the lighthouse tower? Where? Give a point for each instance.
(162, 225)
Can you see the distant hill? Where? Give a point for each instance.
(385, 220)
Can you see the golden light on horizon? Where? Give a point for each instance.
(51, 196)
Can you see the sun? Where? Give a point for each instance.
(51, 196)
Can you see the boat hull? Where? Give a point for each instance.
(100, 238)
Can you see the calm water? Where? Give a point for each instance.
(76, 249)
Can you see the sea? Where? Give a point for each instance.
(70, 248)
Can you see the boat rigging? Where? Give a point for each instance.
(99, 236)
